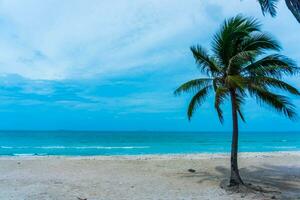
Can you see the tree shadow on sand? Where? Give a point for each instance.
(269, 180)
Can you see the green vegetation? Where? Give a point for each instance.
(241, 66)
(270, 6)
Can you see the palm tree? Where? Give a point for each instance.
(270, 6)
(238, 68)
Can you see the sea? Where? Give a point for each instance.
(106, 143)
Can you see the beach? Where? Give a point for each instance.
(147, 176)
(149, 100)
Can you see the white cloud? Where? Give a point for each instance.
(77, 38)
(53, 39)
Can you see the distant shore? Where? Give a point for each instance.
(146, 176)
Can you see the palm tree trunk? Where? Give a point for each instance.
(235, 178)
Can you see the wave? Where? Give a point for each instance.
(75, 147)
(281, 147)
(24, 154)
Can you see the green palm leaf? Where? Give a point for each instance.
(260, 42)
(275, 83)
(268, 6)
(193, 85)
(236, 81)
(239, 60)
(197, 100)
(279, 102)
(274, 65)
(294, 7)
(205, 62)
(233, 29)
(220, 96)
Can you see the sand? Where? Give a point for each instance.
(147, 177)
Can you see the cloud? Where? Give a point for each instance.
(115, 58)
(75, 39)
(117, 97)
(54, 39)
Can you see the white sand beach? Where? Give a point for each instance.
(146, 177)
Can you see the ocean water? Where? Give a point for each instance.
(87, 143)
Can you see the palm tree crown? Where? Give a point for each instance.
(270, 6)
(239, 67)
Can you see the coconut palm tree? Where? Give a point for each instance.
(270, 6)
(240, 67)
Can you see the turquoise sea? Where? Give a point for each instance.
(87, 143)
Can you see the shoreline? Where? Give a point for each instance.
(195, 156)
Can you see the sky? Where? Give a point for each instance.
(113, 65)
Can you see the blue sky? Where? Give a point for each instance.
(107, 65)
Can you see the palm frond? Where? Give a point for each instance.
(193, 85)
(241, 115)
(294, 7)
(233, 30)
(236, 81)
(220, 96)
(268, 6)
(275, 83)
(260, 42)
(217, 82)
(239, 60)
(278, 102)
(251, 47)
(197, 100)
(239, 97)
(205, 63)
(274, 65)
